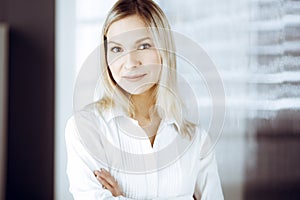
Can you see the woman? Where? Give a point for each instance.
(134, 143)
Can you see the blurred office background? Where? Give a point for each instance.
(255, 45)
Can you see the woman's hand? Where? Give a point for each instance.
(108, 182)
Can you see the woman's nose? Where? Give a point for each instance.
(132, 60)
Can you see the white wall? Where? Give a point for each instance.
(78, 28)
(64, 81)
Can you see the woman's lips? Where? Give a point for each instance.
(134, 78)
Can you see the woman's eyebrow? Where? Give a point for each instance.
(114, 43)
(138, 41)
(142, 39)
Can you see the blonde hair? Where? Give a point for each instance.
(166, 92)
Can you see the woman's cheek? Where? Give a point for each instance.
(115, 72)
(149, 57)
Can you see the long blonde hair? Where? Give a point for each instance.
(166, 91)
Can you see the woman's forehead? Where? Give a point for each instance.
(128, 28)
(131, 37)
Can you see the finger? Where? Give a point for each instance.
(98, 178)
(102, 181)
(97, 173)
(104, 171)
(105, 175)
(106, 185)
(114, 190)
(110, 179)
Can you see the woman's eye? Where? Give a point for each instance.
(116, 49)
(144, 46)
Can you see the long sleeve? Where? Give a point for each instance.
(208, 184)
(80, 167)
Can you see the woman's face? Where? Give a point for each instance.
(132, 58)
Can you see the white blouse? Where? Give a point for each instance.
(171, 169)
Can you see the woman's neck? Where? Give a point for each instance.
(143, 104)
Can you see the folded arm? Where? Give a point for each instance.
(80, 169)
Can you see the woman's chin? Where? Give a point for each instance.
(139, 91)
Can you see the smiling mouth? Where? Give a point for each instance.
(134, 77)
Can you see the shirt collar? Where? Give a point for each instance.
(115, 111)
